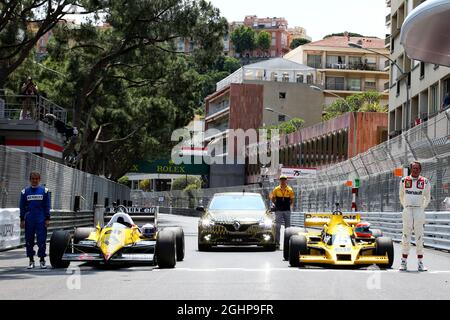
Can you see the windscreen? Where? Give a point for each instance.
(237, 202)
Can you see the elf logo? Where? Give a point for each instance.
(408, 183)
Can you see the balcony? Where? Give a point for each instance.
(39, 107)
(216, 108)
(353, 66)
(386, 86)
(388, 20)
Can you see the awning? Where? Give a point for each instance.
(426, 32)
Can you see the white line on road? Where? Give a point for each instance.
(295, 270)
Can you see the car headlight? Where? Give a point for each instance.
(266, 223)
(207, 223)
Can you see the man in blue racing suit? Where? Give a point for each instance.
(35, 218)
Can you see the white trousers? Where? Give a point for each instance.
(413, 220)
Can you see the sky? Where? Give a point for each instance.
(319, 17)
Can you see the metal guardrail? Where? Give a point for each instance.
(13, 104)
(437, 227)
(63, 220)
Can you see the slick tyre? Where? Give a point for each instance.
(288, 233)
(59, 242)
(298, 245)
(179, 237)
(166, 250)
(81, 234)
(384, 245)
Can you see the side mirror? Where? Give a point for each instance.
(200, 209)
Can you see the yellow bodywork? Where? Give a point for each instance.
(112, 239)
(347, 253)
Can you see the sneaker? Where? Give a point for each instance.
(403, 266)
(421, 267)
(42, 264)
(31, 264)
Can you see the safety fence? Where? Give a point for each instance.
(428, 143)
(11, 236)
(71, 189)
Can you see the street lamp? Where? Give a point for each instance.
(349, 108)
(316, 88)
(402, 72)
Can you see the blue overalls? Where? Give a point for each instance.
(34, 210)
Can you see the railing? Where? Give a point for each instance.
(216, 108)
(14, 105)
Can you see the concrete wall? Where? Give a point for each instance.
(223, 175)
(301, 101)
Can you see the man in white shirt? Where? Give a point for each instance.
(415, 193)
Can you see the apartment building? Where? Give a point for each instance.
(297, 33)
(256, 96)
(417, 91)
(343, 70)
(327, 143)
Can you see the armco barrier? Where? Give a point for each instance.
(180, 211)
(437, 226)
(62, 220)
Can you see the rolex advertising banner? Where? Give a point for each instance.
(9, 228)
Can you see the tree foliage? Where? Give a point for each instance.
(24, 22)
(125, 83)
(264, 41)
(361, 102)
(244, 39)
(298, 42)
(341, 34)
(286, 127)
(184, 182)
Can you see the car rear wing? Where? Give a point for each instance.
(320, 219)
(140, 215)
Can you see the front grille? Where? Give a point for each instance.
(242, 228)
(344, 257)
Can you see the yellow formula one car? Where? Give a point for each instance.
(119, 242)
(344, 240)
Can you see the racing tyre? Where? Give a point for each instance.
(81, 234)
(166, 249)
(179, 236)
(298, 245)
(377, 233)
(58, 244)
(288, 233)
(384, 245)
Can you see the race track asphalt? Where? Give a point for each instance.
(225, 274)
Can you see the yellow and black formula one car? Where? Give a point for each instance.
(119, 242)
(236, 219)
(343, 241)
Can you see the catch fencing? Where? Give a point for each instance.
(428, 142)
(68, 186)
